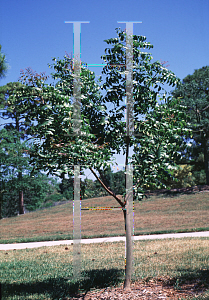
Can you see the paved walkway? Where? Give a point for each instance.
(102, 240)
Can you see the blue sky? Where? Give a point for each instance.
(32, 32)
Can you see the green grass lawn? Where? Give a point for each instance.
(157, 214)
(47, 272)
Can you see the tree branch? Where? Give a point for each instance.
(204, 108)
(109, 191)
(103, 179)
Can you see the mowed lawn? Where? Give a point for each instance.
(155, 214)
(179, 267)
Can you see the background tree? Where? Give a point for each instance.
(4, 164)
(114, 181)
(3, 69)
(182, 177)
(13, 111)
(10, 99)
(12, 160)
(13, 115)
(35, 185)
(103, 130)
(194, 93)
(3, 64)
(9, 95)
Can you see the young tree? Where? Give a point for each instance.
(103, 131)
(194, 93)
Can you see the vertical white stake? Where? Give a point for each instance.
(129, 132)
(76, 132)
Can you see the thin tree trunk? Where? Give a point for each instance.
(21, 203)
(21, 199)
(129, 251)
(127, 219)
(206, 158)
(129, 248)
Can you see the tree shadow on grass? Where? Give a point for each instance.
(199, 279)
(64, 288)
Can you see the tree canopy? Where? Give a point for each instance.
(103, 125)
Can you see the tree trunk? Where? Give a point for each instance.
(21, 199)
(128, 224)
(206, 158)
(129, 248)
(21, 203)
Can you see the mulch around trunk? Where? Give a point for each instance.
(151, 290)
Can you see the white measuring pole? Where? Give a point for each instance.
(129, 132)
(76, 132)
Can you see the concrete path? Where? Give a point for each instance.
(102, 240)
